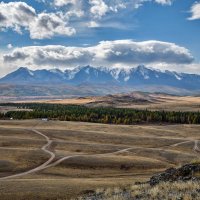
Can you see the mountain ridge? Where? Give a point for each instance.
(138, 77)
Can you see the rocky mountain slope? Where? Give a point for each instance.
(140, 78)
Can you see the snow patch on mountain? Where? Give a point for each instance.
(30, 72)
(129, 77)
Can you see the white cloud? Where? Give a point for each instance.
(193, 68)
(98, 8)
(5, 69)
(60, 3)
(19, 16)
(16, 15)
(92, 24)
(127, 52)
(9, 46)
(195, 11)
(164, 2)
(109, 53)
(66, 15)
(46, 25)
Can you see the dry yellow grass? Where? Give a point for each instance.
(166, 191)
(13, 161)
(157, 102)
(76, 101)
(101, 163)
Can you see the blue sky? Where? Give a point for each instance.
(66, 33)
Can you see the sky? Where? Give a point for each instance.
(38, 34)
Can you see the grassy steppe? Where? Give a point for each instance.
(101, 156)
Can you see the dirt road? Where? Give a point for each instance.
(50, 163)
(45, 149)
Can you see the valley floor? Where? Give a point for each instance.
(64, 160)
(135, 100)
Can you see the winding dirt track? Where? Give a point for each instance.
(52, 156)
(177, 144)
(84, 155)
(196, 147)
(45, 149)
(50, 163)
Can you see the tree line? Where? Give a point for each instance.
(99, 115)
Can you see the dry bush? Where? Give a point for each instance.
(189, 190)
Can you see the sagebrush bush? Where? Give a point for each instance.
(189, 190)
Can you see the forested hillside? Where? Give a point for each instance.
(100, 114)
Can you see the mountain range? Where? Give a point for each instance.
(139, 78)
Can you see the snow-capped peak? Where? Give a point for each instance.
(56, 71)
(127, 76)
(25, 69)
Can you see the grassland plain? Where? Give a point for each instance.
(136, 100)
(86, 156)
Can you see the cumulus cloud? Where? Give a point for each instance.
(60, 3)
(98, 8)
(164, 2)
(195, 11)
(109, 53)
(50, 55)
(15, 56)
(9, 46)
(46, 25)
(19, 16)
(16, 15)
(128, 51)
